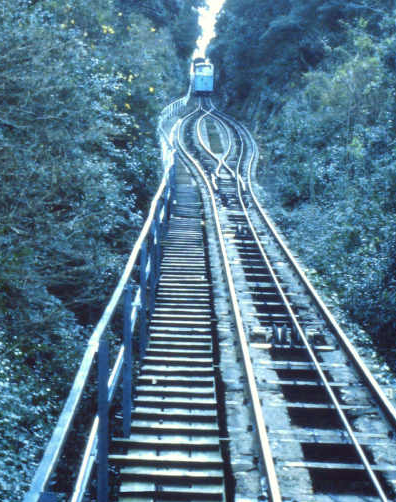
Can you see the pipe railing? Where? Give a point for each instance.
(137, 308)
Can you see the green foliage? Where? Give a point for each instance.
(81, 86)
(316, 78)
(332, 157)
(182, 15)
(263, 47)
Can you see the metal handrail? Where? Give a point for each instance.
(63, 427)
(68, 414)
(170, 111)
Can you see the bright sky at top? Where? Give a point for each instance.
(207, 21)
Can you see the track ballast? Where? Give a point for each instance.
(322, 428)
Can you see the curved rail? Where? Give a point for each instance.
(264, 446)
(221, 160)
(293, 318)
(377, 392)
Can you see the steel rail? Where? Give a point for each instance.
(264, 446)
(379, 395)
(215, 117)
(303, 337)
(221, 160)
(206, 148)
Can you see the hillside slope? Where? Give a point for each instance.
(82, 84)
(317, 81)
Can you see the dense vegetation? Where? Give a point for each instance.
(317, 78)
(81, 86)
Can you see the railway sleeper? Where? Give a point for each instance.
(163, 309)
(173, 451)
(170, 390)
(348, 479)
(305, 404)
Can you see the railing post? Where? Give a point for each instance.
(157, 248)
(172, 179)
(128, 363)
(152, 278)
(165, 221)
(143, 301)
(168, 197)
(155, 257)
(103, 414)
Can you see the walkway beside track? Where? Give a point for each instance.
(173, 452)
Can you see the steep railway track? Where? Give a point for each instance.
(174, 450)
(323, 429)
(244, 386)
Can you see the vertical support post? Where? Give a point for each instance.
(103, 414)
(128, 363)
(172, 178)
(152, 253)
(157, 248)
(164, 227)
(169, 192)
(161, 209)
(143, 301)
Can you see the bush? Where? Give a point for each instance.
(81, 84)
(332, 162)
